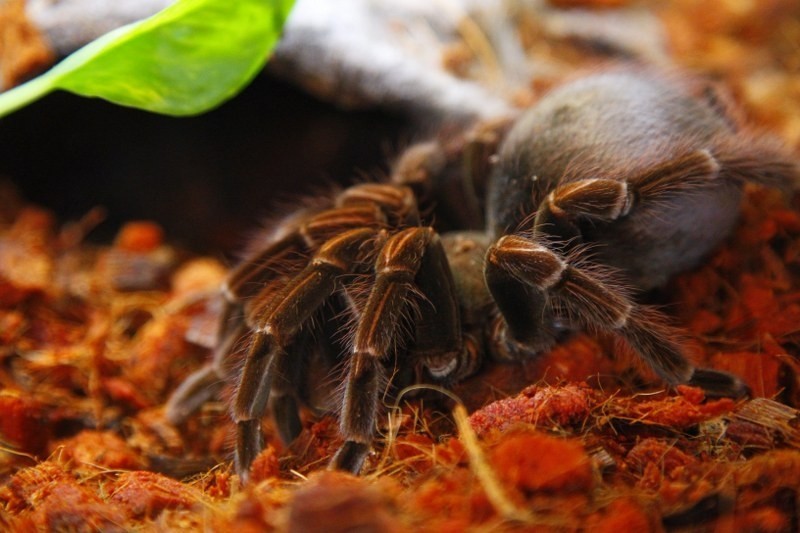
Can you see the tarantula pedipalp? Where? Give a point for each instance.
(612, 183)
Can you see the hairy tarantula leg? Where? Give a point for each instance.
(284, 377)
(762, 161)
(719, 384)
(332, 222)
(522, 327)
(438, 340)
(382, 319)
(290, 242)
(453, 170)
(250, 276)
(255, 387)
(587, 301)
(419, 166)
(243, 282)
(609, 199)
(601, 307)
(294, 236)
(275, 322)
(525, 326)
(198, 388)
(206, 382)
(397, 202)
(648, 332)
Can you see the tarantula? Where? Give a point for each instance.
(609, 186)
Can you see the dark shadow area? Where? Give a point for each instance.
(206, 179)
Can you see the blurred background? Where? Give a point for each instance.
(208, 180)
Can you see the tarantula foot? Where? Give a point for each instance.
(718, 384)
(350, 457)
(249, 444)
(508, 350)
(196, 390)
(504, 347)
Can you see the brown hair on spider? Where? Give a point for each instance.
(609, 186)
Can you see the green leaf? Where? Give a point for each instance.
(184, 60)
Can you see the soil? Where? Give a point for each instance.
(94, 338)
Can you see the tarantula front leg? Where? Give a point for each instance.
(529, 280)
(410, 262)
(272, 366)
(603, 200)
(275, 320)
(254, 280)
(244, 282)
(205, 383)
(591, 303)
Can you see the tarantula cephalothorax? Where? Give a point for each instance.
(611, 184)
